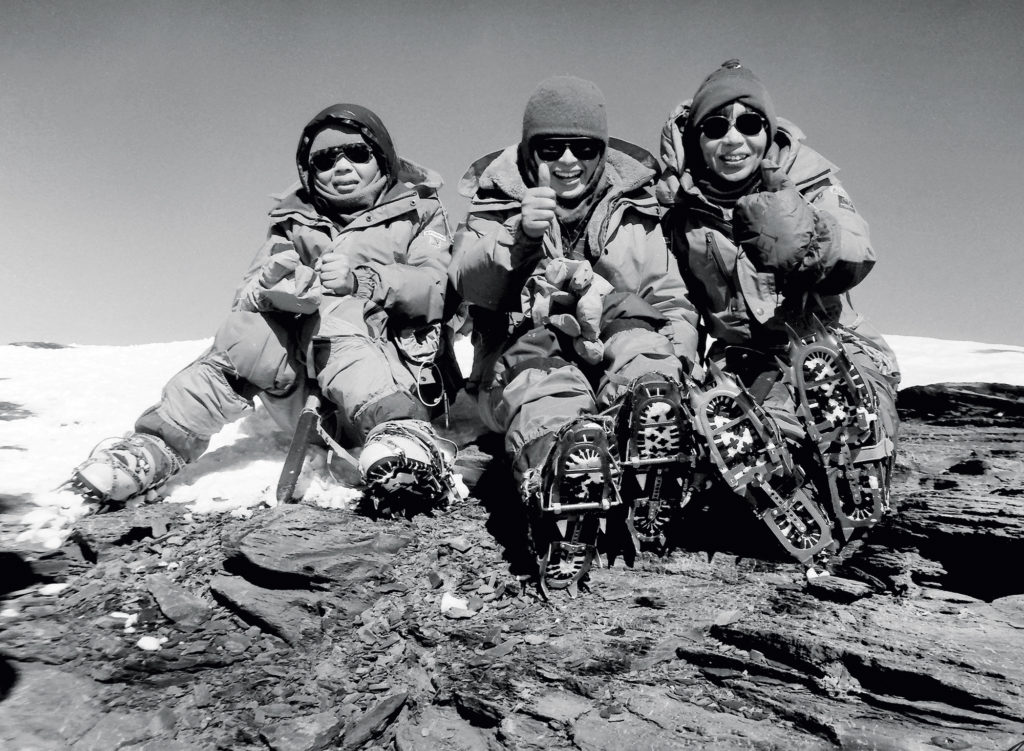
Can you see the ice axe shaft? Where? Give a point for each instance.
(297, 450)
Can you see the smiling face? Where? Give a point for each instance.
(348, 166)
(733, 157)
(573, 163)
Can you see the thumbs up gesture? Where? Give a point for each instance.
(539, 205)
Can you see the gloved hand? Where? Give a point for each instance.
(547, 301)
(283, 283)
(591, 288)
(336, 272)
(538, 205)
(574, 284)
(775, 226)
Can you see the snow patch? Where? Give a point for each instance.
(57, 404)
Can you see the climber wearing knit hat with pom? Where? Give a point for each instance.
(574, 299)
(770, 244)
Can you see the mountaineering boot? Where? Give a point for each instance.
(570, 495)
(657, 454)
(406, 464)
(747, 448)
(840, 413)
(119, 468)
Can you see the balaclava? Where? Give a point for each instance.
(317, 135)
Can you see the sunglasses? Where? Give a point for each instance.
(551, 149)
(355, 153)
(748, 124)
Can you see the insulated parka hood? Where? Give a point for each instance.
(354, 116)
(496, 179)
(787, 150)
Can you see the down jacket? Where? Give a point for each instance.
(405, 239)
(745, 305)
(493, 259)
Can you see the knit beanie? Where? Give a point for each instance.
(731, 83)
(565, 106)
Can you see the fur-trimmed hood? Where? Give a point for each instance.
(353, 116)
(496, 175)
(631, 171)
(799, 161)
(412, 178)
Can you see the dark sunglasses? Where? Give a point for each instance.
(355, 153)
(748, 124)
(551, 149)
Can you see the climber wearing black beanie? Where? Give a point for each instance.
(574, 297)
(770, 245)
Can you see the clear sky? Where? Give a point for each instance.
(141, 140)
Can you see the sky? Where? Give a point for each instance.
(49, 423)
(141, 141)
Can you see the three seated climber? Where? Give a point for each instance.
(595, 278)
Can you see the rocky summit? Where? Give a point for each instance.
(305, 628)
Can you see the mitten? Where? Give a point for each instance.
(547, 300)
(776, 226)
(284, 284)
(592, 289)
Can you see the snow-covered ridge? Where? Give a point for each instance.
(56, 404)
(924, 360)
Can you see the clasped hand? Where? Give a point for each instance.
(573, 285)
(283, 283)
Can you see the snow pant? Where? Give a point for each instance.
(539, 384)
(344, 347)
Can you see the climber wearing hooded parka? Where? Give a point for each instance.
(770, 244)
(347, 291)
(574, 296)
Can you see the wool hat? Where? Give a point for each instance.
(565, 106)
(731, 82)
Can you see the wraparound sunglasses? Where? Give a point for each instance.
(748, 124)
(356, 153)
(551, 149)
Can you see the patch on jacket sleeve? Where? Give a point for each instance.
(436, 239)
(843, 199)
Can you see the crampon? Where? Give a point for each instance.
(121, 468)
(406, 465)
(746, 447)
(657, 456)
(840, 413)
(570, 496)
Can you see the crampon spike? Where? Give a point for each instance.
(571, 495)
(406, 464)
(657, 454)
(840, 413)
(748, 450)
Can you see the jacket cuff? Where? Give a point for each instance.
(525, 249)
(365, 282)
